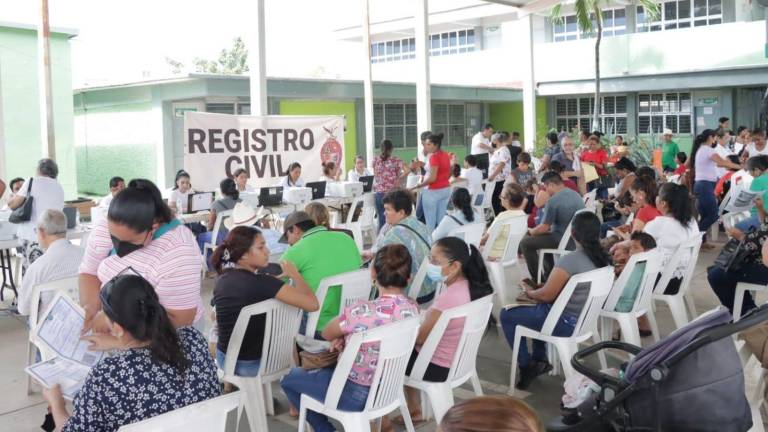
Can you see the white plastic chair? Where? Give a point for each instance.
(355, 285)
(418, 279)
(677, 302)
(69, 286)
(600, 282)
(396, 342)
(590, 200)
(738, 300)
(281, 325)
(211, 246)
(562, 248)
(486, 193)
(754, 384)
(731, 219)
(516, 228)
(366, 223)
(475, 316)
(642, 305)
(206, 416)
(471, 233)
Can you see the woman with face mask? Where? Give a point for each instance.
(139, 232)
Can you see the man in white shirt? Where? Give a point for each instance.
(722, 148)
(516, 139)
(116, 184)
(481, 142)
(60, 260)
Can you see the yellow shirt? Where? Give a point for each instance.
(497, 248)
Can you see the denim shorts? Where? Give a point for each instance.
(246, 368)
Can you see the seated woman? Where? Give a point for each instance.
(241, 179)
(643, 192)
(331, 172)
(229, 198)
(391, 269)
(359, 170)
(589, 255)
(182, 188)
(154, 368)
(753, 270)
(403, 228)
(293, 178)
(237, 260)
(322, 217)
(463, 213)
(513, 199)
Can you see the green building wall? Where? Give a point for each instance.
(21, 106)
(508, 116)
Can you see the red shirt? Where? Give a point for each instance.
(571, 185)
(720, 186)
(647, 213)
(440, 161)
(680, 169)
(599, 157)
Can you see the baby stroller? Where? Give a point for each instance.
(691, 380)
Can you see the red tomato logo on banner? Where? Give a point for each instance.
(331, 149)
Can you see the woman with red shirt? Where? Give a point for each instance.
(644, 191)
(596, 156)
(436, 184)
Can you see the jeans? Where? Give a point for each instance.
(496, 198)
(724, 284)
(609, 226)
(530, 245)
(532, 317)
(246, 368)
(420, 208)
(602, 193)
(706, 204)
(753, 222)
(314, 383)
(435, 203)
(206, 237)
(380, 208)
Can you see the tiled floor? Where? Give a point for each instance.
(19, 412)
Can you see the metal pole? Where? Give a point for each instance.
(47, 133)
(423, 96)
(257, 62)
(529, 88)
(368, 86)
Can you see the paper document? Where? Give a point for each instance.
(70, 375)
(742, 202)
(590, 173)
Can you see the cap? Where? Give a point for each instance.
(293, 219)
(667, 131)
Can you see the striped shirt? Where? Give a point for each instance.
(60, 261)
(171, 263)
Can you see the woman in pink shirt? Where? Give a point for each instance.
(461, 268)
(140, 233)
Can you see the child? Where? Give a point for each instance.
(523, 173)
(473, 175)
(513, 199)
(639, 242)
(680, 159)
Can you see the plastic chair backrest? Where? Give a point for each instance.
(69, 286)
(689, 249)
(358, 201)
(566, 238)
(470, 233)
(281, 325)
(652, 261)
(368, 216)
(355, 285)
(220, 216)
(516, 229)
(590, 199)
(207, 416)
(600, 282)
(396, 342)
(475, 315)
(418, 279)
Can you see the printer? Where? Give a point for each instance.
(297, 195)
(346, 189)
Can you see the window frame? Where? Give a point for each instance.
(579, 109)
(660, 111)
(713, 15)
(561, 32)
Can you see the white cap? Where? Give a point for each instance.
(667, 131)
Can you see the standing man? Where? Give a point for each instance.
(481, 142)
(516, 139)
(669, 150)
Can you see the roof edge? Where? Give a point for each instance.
(24, 26)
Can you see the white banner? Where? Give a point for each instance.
(216, 145)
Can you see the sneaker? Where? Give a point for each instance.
(530, 372)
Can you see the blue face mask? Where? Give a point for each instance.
(435, 273)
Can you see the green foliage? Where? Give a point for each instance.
(233, 61)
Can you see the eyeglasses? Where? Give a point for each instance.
(106, 290)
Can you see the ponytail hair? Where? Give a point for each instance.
(472, 265)
(386, 149)
(463, 201)
(140, 207)
(586, 231)
(237, 243)
(132, 302)
(436, 139)
(228, 187)
(679, 202)
(647, 186)
(181, 174)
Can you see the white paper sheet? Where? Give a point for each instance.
(59, 329)
(68, 374)
(742, 202)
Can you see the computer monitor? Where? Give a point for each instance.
(271, 196)
(367, 182)
(482, 163)
(318, 189)
(200, 201)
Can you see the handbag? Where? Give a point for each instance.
(24, 212)
(318, 360)
(732, 257)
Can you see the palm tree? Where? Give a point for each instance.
(586, 11)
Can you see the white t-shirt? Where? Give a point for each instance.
(755, 152)
(177, 194)
(474, 180)
(669, 235)
(47, 193)
(354, 176)
(285, 184)
(723, 152)
(516, 143)
(501, 155)
(106, 201)
(476, 141)
(248, 189)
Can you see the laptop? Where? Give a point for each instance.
(318, 189)
(483, 163)
(200, 201)
(367, 182)
(271, 196)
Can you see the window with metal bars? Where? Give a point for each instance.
(395, 122)
(678, 14)
(659, 111)
(614, 24)
(453, 42)
(576, 112)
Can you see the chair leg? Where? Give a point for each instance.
(738, 302)
(268, 400)
(654, 327)
(441, 397)
(513, 371)
(691, 304)
(254, 406)
(630, 332)
(600, 354)
(566, 351)
(302, 418)
(606, 328)
(552, 358)
(30, 360)
(476, 386)
(406, 414)
(677, 307)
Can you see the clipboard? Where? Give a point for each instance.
(590, 173)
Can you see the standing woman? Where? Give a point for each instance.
(388, 172)
(437, 186)
(499, 168)
(704, 162)
(182, 188)
(293, 178)
(140, 232)
(241, 179)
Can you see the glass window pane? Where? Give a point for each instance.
(657, 124)
(394, 114)
(440, 114)
(390, 48)
(656, 100)
(699, 8)
(572, 123)
(572, 107)
(378, 134)
(570, 23)
(395, 134)
(640, 18)
(378, 115)
(584, 106)
(685, 102)
(561, 125)
(411, 136)
(715, 7)
(435, 40)
(445, 40)
(672, 103)
(684, 24)
(670, 11)
(645, 104)
(471, 37)
(621, 125)
(453, 39)
(456, 135)
(714, 21)
(609, 105)
(699, 23)
(644, 124)
(685, 124)
(396, 45)
(456, 115)
(560, 108)
(671, 122)
(463, 37)
(621, 104)
(607, 19)
(684, 9)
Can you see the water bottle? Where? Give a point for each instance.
(179, 207)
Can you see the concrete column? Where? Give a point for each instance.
(257, 59)
(47, 133)
(368, 87)
(423, 97)
(529, 88)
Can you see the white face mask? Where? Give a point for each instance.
(435, 273)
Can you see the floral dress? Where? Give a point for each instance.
(131, 386)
